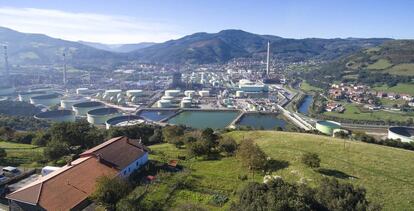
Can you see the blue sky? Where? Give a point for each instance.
(129, 21)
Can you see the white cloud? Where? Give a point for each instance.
(86, 26)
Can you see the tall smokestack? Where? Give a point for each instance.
(64, 71)
(6, 66)
(268, 59)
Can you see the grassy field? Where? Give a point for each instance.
(307, 87)
(402, 69)
(20, 154)
(381, 64)
(401, 88)
(355, 112)
(385, 172)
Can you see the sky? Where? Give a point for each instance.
(133, 21)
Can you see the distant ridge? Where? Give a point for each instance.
(198, 48)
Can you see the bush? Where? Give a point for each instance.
(280, 195)
(251, 155)
(228, 145)
(110, 190)
(55, 149)
(311, 160)
(219, 199)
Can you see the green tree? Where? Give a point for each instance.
(251, 155)
(109, 191)
(311, 160)
(227, 145)
(198, 148)
(3, 153)
(55, 150)
(342, 196)
(172, 133)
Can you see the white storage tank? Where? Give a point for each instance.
(172, 93)
(112, 92)
(81, 109)
(189, 93)
(56, 116)
(82, 91)
(101, 115)
(204, 93)
(25, 96)
(134, 93)
(126, 120)
(186, 104)
(46, 100)
(68, 102)
(164, 103)
(239, 93)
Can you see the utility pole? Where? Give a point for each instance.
(6, 66)
(268, 60)
(64, 72)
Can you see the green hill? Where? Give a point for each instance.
(387, 173)
(395, 57)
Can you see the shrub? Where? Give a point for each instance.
(219, 199)
(311, 160)
(227, 145)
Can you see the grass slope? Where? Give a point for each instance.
(386, 173)
(401, 88)
(355, 112)
(19, 154)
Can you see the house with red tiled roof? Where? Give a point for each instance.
(69, 187)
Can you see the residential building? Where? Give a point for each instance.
(68, 188)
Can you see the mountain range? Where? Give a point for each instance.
(198, 48)
(119, 48)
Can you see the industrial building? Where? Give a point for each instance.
(405, 134)
(249, 86)
(69, 187)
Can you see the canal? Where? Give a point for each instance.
(258, 121)
(306, 103)
(204, 119)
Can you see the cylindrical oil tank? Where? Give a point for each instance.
(82, 91)
(112, 92)
(405, 134)
(187, 99)
(189, 93)
(6, 90)
(101, 115)
(204, 93)
(327, 127)
(186, 104)
(126, 120)
(25, 96)
(56, 116)
(239, 93)
(46, 100)
(134, 93)
(164, 103)
(81, 109)
(68, 102)
(172, 93)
